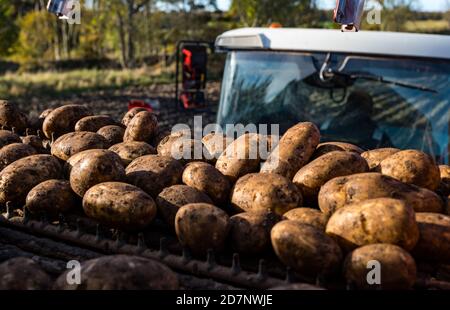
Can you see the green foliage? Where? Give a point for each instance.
(8, 28)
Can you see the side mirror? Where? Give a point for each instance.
(348, 13)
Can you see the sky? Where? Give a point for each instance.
(424, 5)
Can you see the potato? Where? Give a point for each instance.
(119, 205)
(112, 133)
(62, 120)
(68, 165)
(94, 123)
(22, 273)
(202, 226)
(13, 152)
(444, 186)
(174, 197)
(130, 114)
(265, 192)
(181, 148)
(412, 167)
(153, 173)
(381, 220)
(74, 142)
(18, 178)
(341, 191)
(11, 117)
(94, 168)
(159, 135)
(215, 143)
(305, 248)
(45, 113)
(397, 267)
(141, 128)
(308, 216)
(121, 272)
(375, 157)
(129, 151)
(7, 137)
(35, 142)
(434, 241)
(208, 179)
(250, 231)
(311, 177)
(52, 197)
(327, 147)
(293, 151)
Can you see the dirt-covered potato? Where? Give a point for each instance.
(121, 272)
(311, 177)
(22, 273)
(129, 151)
(11, 117)
(341, 191)
(180, 147)
(328, 147)
(215, 143)
(444, 186)
(12, 152)
(208, 179)
(375, 157)
(74, 142)
(52, 197)
(202, 226)
(141, 128)
(265, 192)
(119, 205)
(308, 216)
(94, 123)
(305, 248)
(382, 220)
(112, 133)
(7, 137)
(293, 151)
(434, 241)
(397, 267)
(412, 167)
(153, 173)
(159, 136)
(250, 231)
(62, 120)
(174, 197)
(93, 168)
(130, 114)
(35, 142)
(18, 178)
(45, 113)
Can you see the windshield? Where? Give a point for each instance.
(284, 88)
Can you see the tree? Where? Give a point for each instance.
(395, 14)
(8, 28)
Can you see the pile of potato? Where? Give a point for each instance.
(324, 209)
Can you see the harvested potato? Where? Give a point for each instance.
(444, 186)
(174, 197)
(434, 241)
(130, 114)
(265, 192)
(215, 144)
(202, 226)
(397, 267)
(93, 168)
(13, 152)
(159, 136)
(141, 128)
(208, 179)
(121, 272)
(35, 142)
(22, 273)
(62, 120)
(74, 142)
(412, 167)
(250, 231)
(112, 133)
(179, 147)
(308, 216)
(311, 177)
(153, 173)
(129, 151)
(11, 117)
(52, 197)
(328, 147)
(7, 137)
(382, 220)
(305, 248)
(45, 113)
(74, 159)
(341, 191)
(119, 205)
(375, 157)
(293, 151)
(18, 178)
(94, 123)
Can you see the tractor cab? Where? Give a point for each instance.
(372, 89)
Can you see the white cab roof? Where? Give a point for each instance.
(326, 40)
